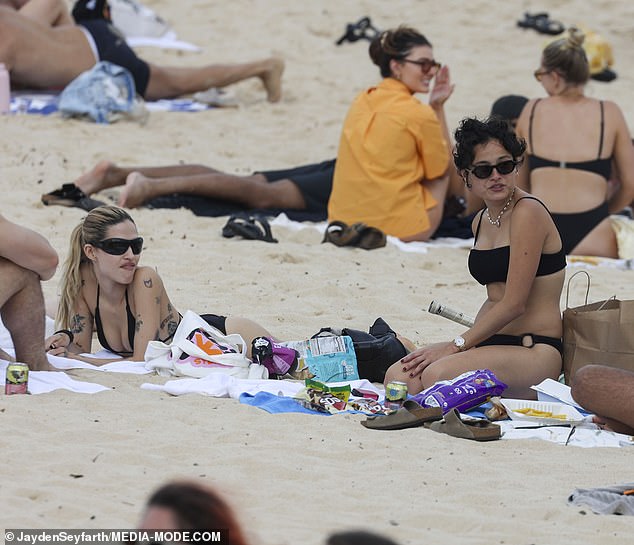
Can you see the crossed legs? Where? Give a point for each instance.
(22, 311)
(145, 183)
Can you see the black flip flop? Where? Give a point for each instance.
(248, 227)
(70, 195)
(542, 23)
(361, 30)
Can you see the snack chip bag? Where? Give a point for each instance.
(463, 392)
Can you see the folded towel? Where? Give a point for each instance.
(605, 501)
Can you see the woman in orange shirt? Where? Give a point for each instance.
(391, 170)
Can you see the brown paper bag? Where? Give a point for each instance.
(601, 332)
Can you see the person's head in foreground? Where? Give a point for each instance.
(487, 151)
(184, 505)
(359, 537)
(406, 55)
(509, 107)
(564, 64)
(107, 238)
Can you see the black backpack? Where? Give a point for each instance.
(376, 350)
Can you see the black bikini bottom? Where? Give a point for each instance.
(527, 340)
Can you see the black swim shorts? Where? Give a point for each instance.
(112, 47)
(314, 182)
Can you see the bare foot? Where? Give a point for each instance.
(135, 191)
(272, 79)
(42, 366)
(96, 179)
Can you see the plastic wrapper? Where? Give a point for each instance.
(463, 392)
(323, 398)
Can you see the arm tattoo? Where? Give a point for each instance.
(77, 323)
(157, 300)
(138, 324)
(171, 327)
(147, 283)
(168, 318)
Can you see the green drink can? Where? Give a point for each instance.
(395, 394)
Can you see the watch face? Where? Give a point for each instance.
(459, 342)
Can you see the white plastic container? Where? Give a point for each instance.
(5, 90)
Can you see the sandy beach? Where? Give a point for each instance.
(90, 461)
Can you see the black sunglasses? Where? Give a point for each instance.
(119, 246)
(425, 64)
(484, 171)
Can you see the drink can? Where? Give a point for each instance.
(17, 381)
(395, 394)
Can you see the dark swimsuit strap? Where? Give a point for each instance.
(602, 129)
(530, 128)
(101, 335)
(475, 239)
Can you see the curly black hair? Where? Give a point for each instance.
(473, 132)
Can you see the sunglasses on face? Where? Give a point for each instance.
(119, 246)
(540, 73)
(425, 64)
(484, 171)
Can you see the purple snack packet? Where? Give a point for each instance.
(276, 358)
(463, 392)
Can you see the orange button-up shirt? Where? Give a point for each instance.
(390, 144)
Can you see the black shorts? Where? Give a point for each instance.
(219, 322)
(314, 182)
(112, 47)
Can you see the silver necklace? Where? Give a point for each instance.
(496, 221)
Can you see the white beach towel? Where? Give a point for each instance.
(227, 386)
(282, 220)
(41, 382)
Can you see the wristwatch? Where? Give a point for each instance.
(459, 343)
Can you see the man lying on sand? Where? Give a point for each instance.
(41, 56)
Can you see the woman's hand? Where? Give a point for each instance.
(443, 88)
(57, 344)
(416, 362)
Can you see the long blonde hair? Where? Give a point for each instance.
(91, 229)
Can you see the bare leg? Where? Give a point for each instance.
(601, 241)
(247, 329)
(608, 392)
(106, 174)
(251, 191)
(22, 310)
(48, 12)
(166, 82)
(518, 367)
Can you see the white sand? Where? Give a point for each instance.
(294, 478)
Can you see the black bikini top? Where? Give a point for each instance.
(488, 266)
(131, 326)
(602, 167)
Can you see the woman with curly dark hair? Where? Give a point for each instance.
(518, 255)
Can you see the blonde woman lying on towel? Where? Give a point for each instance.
(105, 289)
